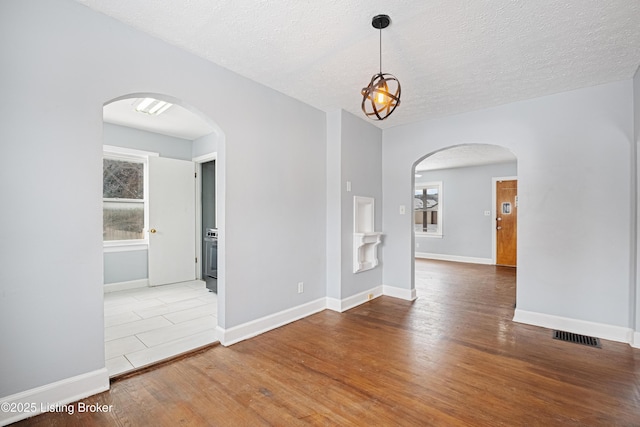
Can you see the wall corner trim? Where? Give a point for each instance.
(582, 327)
(58, 393)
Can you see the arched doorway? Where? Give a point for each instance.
(456, 213)
(156, 305)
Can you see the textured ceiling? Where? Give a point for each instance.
(451, 56)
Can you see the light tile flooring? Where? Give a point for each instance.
(146, 325)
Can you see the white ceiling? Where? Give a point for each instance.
(450, 56)
(466, 155)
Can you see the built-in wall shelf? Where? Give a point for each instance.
(365, 239)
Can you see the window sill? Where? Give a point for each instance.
(122, 246)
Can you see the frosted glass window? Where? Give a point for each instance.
(122, 179)
(123, 207)
(123, 220)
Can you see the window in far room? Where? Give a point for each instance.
(124, 198)
(427, 209)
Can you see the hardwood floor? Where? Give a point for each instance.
(453, 357)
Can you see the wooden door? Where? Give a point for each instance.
(506, 222)
(172, 245)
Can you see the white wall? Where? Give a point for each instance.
(61, 63)
(466, 194)
(573, 155)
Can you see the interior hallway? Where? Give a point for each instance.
(452, 357)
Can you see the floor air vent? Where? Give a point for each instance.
(575, 338)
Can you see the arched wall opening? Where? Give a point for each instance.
(455, 214)
(185, 137)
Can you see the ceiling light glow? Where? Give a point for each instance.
(151, 106)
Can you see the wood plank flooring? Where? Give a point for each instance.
(453, 357)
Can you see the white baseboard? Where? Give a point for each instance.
(54, 395)
(636, 340)
(267, 323)
(334, 304)
(248, 330)
(122, 286)
(402, 293)
(455, 258)
(582, 327)
(354, 300)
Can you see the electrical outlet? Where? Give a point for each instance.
(300, 287)
(370, 296)
(403, 210)
(417, 245)
(348, 185)
(487, 213)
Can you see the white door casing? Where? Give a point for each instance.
(172, 246)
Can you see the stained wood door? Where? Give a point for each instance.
(172, 245)
(506, 222)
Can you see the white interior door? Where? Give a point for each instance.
(172, 236)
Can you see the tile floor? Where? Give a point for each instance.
(146, 325)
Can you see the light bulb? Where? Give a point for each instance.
(380, 98)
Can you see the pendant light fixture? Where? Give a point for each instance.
(382, 96)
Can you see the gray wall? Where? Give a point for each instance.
(165, 146)
(466, 195)
(634, 294)
(354, 154)
(125, 266)
(72, 61)
(362, 166)
(133, 265)
(335, 186)
(206, 144)
(571, 147)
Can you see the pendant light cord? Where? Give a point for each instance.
(380, 28)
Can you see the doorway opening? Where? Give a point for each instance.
(207, 225)
(156, 304)
(455, 216)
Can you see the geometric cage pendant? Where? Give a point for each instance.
(382, 95)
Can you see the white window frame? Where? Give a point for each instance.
(438, 232)
(137, 156)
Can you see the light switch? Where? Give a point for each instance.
(348, 185)
(487, 213)
(402, 210)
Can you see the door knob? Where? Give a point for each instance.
(152, 231)
(498, 228)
